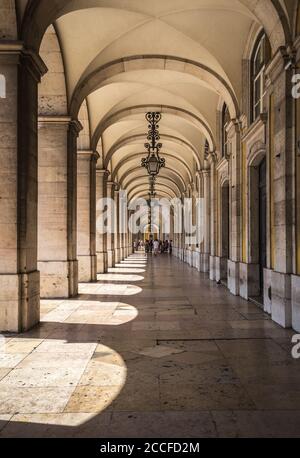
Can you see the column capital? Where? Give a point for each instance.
(59, 120)
(213, 157)
(111, 185)
(14, 53)
(234, 127)
(67, 121)
(204, 173)
(103, 172)
(282, 61)
(88, 155)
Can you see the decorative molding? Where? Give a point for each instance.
(13, 53)
(258, 149)
(255, 127)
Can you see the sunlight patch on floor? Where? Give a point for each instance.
(119, 277)
(109, 289)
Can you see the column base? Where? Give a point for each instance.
(234, 277)
(212, 268)
(87, 268)
(101, 262)
(117, 256)
(189, 257)
(268, 291)
(111, 258)
(19, 302)
(59, 279)
(281, 299)
(196, 260)
(249, 280)
(204, 263)
(221, 269)
(296, 302)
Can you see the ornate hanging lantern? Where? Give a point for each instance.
(153, 163)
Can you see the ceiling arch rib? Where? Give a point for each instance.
(170, 127)
(40, 14)
(156, 88)
(143, 189)
(163, 180)
(127, 141)
(124, 162)
(180, 112)
(143, 195)
(97, 77)
(166, 170)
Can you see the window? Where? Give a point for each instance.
(225, 122)
(260, 57)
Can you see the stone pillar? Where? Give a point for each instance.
(235, 207)
(122, 250)
(123, 222)
(86, 216)
(101, 237)
(19, 276)
(296, 250)
(130, 236)
(111, 254)
(213, 219)
(281, 291)
(117, 233)
(205, 255)
(57, 207)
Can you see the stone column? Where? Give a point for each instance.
(117, 244)
(86, 216)
(57, 207)
(213, 218)
(111, 254)
(19, 276)
(204, 267)
(235, 205)
(101, 238)
(280, 76)
(183, 234)
(296, 250)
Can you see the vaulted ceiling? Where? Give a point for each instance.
(122, 58)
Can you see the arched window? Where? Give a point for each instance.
(260, 57)
(225, 122)
(2, 87)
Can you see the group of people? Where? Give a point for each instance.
(158, 246)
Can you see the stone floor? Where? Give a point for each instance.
(153, 350)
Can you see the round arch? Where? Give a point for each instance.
(39, 14)
(128, 140)
(98, 76)
(174, 172)
(133, 182)
(166, 188)
(164, 109)
(137, 155)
